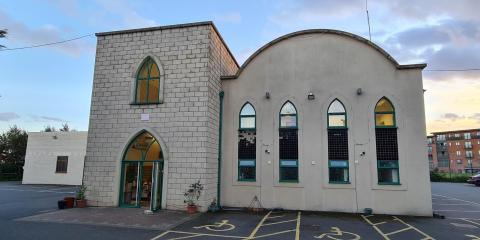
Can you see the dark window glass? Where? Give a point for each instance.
(288, 141)
(62, 164)
(338, 155)
(246, 155)
(387, 155)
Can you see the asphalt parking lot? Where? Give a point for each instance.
(460, 203)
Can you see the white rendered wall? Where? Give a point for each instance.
(329, 66)
(41, 157)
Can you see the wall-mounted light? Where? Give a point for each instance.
(267, 95)
(359, 91)
(55, 137)
(310, 96)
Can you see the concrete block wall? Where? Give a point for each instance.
(182, 123)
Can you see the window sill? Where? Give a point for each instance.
(334, 182)
(388, 183)
(246, 180)
(147, 103)
(61, 172)
(288, 181)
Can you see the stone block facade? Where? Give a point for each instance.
(191, 58)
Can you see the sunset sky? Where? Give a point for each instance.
(51, 85)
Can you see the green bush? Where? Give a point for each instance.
(446, 177)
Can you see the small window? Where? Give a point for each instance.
(384, 114)
(247, 117)
(337, 143)
(288, 143)
(62, 163)
(337, 116)
(147, 89)
(247, 144)
(459, 161)
(386, 143)
(467, 135)
(288, 116)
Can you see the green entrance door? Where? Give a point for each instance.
(142, 174)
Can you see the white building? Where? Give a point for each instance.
(55, 158)
(319, 120)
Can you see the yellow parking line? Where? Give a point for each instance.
(273, 223)
(276, 233)
(252, 234)
(207, 234)
(427, 237)
(297, 230)
(398, 231)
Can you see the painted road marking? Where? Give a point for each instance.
(218, 226)
(335, 231)
(386, 235)
(473, 237)
(461, 200)
(255, 230)
(192, 235)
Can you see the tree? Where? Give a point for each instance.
(3, 33)
(13, 146)
(49, 128)
(65, 128)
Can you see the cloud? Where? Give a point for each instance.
(122, 10)
(475, 116)
(7, 116)
(19, 33)
(229, 18)
(452, 116)
(47, 119)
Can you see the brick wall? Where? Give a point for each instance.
(186, 122)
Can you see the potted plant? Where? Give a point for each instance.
(81, 201)
(192, 195)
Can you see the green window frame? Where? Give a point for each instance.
(247, 165)
(288, 158)
(385, 107)
(247, 112)
(148, 76)
(387, 168)
(338, 169)
(336, 109)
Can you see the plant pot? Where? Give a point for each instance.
(69, 201)
(61, 204)
(81, 203)
(191, 209)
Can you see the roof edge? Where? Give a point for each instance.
(328, 31)
(183, 25)
(455, 131)
(147, 29)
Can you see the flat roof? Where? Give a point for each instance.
(183, 25)
(457, 131)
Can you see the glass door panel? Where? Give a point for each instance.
(157, 186)
(130, 183)
(146, 187)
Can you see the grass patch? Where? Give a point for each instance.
(449, 177)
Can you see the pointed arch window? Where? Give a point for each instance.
(338, 166)
(288, 143)
(386, 143)
(247, 143)
(147, 87)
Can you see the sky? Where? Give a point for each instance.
(52, 85)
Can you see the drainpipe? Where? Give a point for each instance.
(219, 170)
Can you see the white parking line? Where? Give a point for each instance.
(461, 200)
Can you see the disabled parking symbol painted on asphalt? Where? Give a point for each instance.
(221, 226)
(337, 234)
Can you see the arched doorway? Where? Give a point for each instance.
(142, 173)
